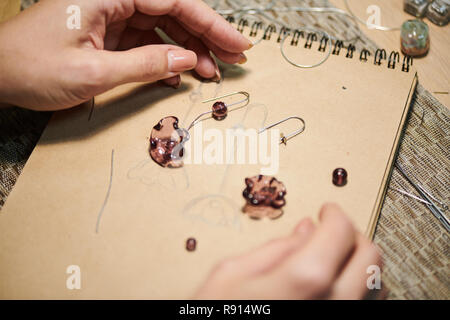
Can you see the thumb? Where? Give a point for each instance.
(146, 64)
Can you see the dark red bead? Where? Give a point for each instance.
(340, 177)
(191, 244)
(219, 110)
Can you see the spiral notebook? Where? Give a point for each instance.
(91, 202)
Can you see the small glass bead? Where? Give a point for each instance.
(415, 38)
(339, 177)
(191, 244)
(220, 110)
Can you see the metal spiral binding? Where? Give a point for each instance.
(230, 19)
(392, 59)
(271, 28)
(282, 33)
(255, 27)
(406, 63)
(380, 54)
(350, 49)
(337, 47)
(242, 24)
(296, 37)
(364, 54)
(323, 44)
(311, 37)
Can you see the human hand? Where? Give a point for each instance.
(47, 66)
(327, 261)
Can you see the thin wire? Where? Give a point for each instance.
(411, 195)
(246, 99)
(193, 123)
(443, 204)
(421, 189)
(307, 66)
(292, 134)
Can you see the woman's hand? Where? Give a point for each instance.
(46, 65)
(327, 261)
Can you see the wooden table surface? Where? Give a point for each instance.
(434, 68)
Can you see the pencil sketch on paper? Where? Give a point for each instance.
(146, 173)
(216, 209)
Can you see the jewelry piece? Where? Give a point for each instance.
(340, 177)
(167, 139)
(264, 196)
(164, 138)
(191, 244)
(283, 138)
(219, 109)
(415, 38)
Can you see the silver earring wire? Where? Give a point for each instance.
(246, 100)
(284, 138)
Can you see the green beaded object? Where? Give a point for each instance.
(415, 38)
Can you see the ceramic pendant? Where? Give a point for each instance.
(165, 143)
(264, 196)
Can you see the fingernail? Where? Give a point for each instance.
(181, 60)
(250, 45)
(243, 58)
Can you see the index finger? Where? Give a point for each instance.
(334, 240)
(315, 266)
(201, 19)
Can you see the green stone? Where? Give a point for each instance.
(415, 38)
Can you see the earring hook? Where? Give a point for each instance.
(246, 100)
(284, 138)
(246, 94)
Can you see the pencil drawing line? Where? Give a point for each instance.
(107, 193)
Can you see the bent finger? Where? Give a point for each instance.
(356, 278)
(269, 255)
(201, 19)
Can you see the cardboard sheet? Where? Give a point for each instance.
(126, 226)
